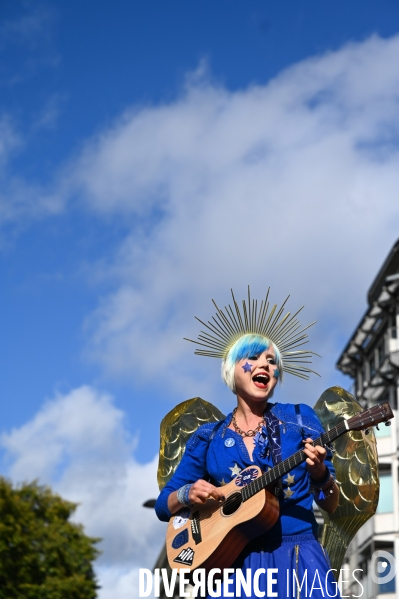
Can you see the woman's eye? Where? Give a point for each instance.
(253, 358)
(271, 361)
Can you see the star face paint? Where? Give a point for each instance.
(276, 373)
(253, 377)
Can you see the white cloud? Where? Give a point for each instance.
(119, 583)
(21, 200)
(292, 184)
(79, 445)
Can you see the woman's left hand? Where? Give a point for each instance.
(315, 460)
(318, 472)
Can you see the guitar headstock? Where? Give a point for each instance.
(379, 413)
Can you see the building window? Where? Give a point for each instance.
(383, 431)
(385, 503)
(381, 353)
(365, 372)
(359, 382)
(372, 366)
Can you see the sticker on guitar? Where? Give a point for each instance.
(181, 518)
(180, 539)
(246, 477)
(185, 557)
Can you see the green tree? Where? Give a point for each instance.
(42, 554)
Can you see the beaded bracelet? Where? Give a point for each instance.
(186, 493)
(182, 495)
(326, 485)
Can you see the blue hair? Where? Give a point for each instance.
(247, 346)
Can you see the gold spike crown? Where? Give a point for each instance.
(285, 331)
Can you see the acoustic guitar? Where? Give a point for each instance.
(213, 534)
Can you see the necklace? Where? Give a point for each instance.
(248, 433)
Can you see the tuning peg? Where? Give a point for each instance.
(388, 423)
(367, 431)
(377, 427)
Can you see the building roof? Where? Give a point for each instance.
(383, 292)
(390, 267)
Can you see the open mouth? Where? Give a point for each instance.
(261, 380)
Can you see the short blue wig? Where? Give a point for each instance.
(246, 347)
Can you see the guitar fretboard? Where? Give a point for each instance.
(290, 463)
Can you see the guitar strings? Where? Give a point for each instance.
(283, 467)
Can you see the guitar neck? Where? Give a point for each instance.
(290, 463)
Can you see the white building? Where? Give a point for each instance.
(371, 358)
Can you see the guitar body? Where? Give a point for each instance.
(213, 535)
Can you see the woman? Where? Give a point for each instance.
(256, 351)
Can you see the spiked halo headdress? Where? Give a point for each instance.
(284, 331)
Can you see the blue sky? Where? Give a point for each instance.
(153, 155)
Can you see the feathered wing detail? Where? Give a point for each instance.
(176, 428)
(356, 465)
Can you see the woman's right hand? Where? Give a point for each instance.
(200, 492)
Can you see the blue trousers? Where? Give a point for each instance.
(292, 567)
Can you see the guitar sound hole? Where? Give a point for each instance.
(232, 504)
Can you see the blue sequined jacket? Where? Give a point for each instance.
(220, 456)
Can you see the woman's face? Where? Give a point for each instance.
(254, 376)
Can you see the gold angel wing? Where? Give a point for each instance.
(356, 465)
(176, 428)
